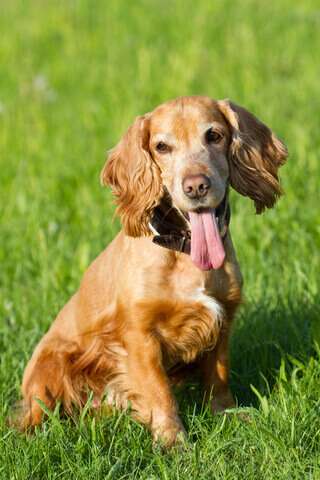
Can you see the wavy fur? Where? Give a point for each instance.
(134, 178)
(144, 316)
(255, 154)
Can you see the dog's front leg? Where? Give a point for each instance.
(152, 400)
(215, 373)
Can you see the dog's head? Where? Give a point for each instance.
(194, 147)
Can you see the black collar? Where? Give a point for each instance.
(172, 230)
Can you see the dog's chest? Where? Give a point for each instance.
(190, 323)
(210, 303)
(187, 315)
(189, 284)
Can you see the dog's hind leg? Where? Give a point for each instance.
(47, 378)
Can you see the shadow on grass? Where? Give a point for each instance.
(263, 334)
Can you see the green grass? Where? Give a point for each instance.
(73, 75)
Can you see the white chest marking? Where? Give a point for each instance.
(211, 304)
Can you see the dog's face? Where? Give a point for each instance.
(189, 140)
(195, 147)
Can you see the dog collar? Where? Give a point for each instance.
(171, 229)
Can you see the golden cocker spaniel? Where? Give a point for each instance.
(162, 295)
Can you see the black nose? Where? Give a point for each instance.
(196, 186)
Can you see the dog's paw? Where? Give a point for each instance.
(170, 433)
(222, 402)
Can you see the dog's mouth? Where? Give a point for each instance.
(207, 250)
(206, 226)
(199, 232)
(219, 212)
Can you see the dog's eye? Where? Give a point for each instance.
(162, 147)
(213, 136)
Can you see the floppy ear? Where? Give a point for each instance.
(255, 154)
(134, 178)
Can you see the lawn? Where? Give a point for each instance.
(73, 75)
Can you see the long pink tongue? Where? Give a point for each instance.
(207, 249)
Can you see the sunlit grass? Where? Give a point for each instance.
(73, 76)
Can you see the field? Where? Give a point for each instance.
(73, 76)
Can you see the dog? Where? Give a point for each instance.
(162, 296)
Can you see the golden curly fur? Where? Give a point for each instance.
(143, 313)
